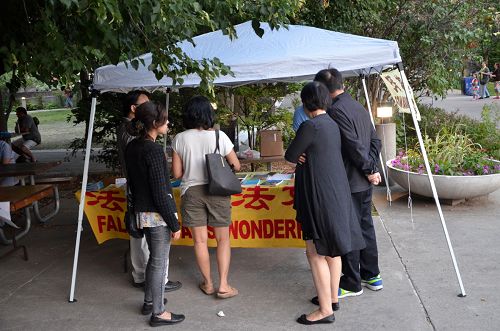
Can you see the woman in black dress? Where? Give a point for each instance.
(322, 200)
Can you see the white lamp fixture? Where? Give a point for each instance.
(384, 110)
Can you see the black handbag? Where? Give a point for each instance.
(130, 218)
(221, 179)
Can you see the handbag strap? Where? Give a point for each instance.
(217, 141)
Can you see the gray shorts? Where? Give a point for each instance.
(29, 144)
(198, 208)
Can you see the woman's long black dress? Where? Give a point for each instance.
(322, 195)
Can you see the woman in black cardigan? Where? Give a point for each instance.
(154, 205)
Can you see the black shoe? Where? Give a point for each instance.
(335, 305)
(487, 96)
(174, 319)
(326, 320)
(481, 98)
(147, 308)
(172, 286)
(138, 285)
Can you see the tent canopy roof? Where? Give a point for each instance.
(284, 55)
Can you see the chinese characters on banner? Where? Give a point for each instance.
(261, 217)
(394, 84)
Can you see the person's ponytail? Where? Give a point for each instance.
(136, 128)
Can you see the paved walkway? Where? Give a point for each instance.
(455, 101)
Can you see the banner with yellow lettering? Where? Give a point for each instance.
(261, 217)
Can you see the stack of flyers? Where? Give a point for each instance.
(271, 182)
(250, 182)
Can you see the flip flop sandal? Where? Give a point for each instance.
(205, 289)
(229, 294)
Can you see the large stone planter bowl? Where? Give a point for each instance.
(447, 187)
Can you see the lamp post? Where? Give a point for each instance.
(386, 132)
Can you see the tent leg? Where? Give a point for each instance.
(431, 179)
(82, 199)
(388, 189)
(167, 106)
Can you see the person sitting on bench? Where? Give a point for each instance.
(26, 126)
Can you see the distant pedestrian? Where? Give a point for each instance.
(484, 78)
(475, 87)
(496, 78)
(68, 101)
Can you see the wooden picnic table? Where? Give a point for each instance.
(22, 197)
(30, 170)
(26, 169)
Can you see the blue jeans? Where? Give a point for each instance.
(483, 91)
(158, 239)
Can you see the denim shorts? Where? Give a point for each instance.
(198, 208)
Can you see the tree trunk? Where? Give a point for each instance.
(3, 115)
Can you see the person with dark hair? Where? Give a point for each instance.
(484, 78)
(139, 252)
(198, 208)
(31, 137)
(322, 201)
(360, 151)
(155, 209)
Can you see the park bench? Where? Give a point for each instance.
(22, 198)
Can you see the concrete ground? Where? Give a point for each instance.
(275, 285)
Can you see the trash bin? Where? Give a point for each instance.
(467, 86)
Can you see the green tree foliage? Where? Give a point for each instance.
(434, 36)
(65, 40)
(255, 109)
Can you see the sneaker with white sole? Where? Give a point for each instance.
(374, 283)
(345, 293)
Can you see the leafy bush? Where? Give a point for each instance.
(483, 133)
(450, 153)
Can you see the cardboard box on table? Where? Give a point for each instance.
(271, 143)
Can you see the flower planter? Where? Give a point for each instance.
(447, 187)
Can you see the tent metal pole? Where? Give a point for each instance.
(236, 128)
(388, 189)
(167, 106)
(82, 198)
(429, 174)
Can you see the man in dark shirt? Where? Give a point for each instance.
(139, 252)
(360, 151)
(27, 127)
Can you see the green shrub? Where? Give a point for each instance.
(450, 153)
(484, 133)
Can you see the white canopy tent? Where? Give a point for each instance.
(284, 55)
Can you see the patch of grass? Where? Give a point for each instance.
(44, 116)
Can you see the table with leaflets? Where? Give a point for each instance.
(262, 215)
